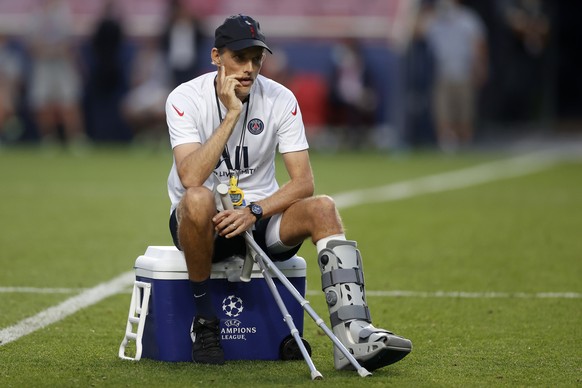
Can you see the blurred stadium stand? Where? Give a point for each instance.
(381, 19)
(306, 31)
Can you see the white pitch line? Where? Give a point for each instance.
(467, 295)
(39, 290)
(503, 169)
(471, 176)
(66, 308)
(382, 294)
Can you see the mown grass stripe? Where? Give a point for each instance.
(488, 172)
(458, 179)
(66, 308)
(39, 290)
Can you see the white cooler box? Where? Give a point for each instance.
(252, 326)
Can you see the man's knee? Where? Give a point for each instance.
(324, 218)
(197, 201)
(321, 212)
(198, 194)
(324, 205)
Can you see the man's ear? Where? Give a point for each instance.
(215, 57)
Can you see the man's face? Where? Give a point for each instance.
(244, 65)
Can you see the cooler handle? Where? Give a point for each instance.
(138, 310)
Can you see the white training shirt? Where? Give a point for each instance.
(274, 120)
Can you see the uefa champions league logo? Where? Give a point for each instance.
(232, 306)
(233, 329)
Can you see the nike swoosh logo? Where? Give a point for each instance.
(180, 113)
(294, 110)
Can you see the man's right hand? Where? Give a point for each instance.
(225, 86)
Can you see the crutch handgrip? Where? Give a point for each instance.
(247, 269)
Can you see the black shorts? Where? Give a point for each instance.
(227, 247)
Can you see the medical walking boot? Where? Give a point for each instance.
(342, 282)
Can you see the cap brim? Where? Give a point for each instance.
(246, 43)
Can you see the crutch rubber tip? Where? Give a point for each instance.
(315, 375)
(363, 372)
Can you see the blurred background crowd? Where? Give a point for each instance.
(390, 74)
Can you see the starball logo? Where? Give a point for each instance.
(233, 328)
(232, 306)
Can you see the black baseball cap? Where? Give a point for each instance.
(239, 32)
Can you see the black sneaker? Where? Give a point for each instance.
(206, 348)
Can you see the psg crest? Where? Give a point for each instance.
(255, 126)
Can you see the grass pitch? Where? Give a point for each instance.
(485, 279)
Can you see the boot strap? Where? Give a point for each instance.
(344, 275)
(347, 313)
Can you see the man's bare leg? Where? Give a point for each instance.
(196, 237)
